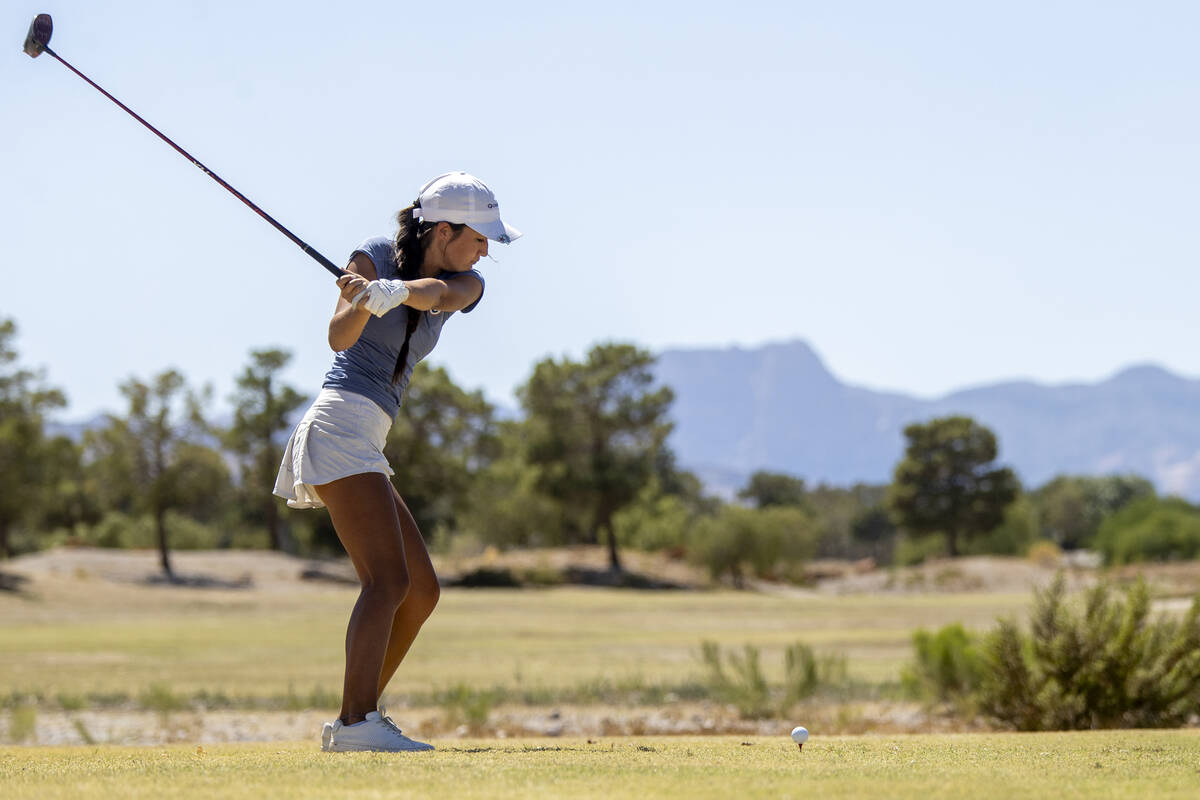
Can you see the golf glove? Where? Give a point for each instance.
(381, 296)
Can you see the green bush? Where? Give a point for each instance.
(1013, 536)
(771, 543)
(805, 672)
(465, 705)
(738, 679)
(118, 530)
(948, 666)
(659, 523)
(1151, 529)
(746, 687)
(1105, 664)
(911, 551)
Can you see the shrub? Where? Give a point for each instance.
(1013, 535)
(658, 523)
(805, 672)
(947, 667)
(914, 550)
(738, 679)
(1102, 665)
(746, 687)
(768, 543)
(1151, 530)
(464, 705)
(1044, 553)
(119, 530)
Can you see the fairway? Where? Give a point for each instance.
(1093, 765)
(79, 635)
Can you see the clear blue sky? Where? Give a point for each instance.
(932, 194)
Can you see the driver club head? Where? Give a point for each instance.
(39, 35)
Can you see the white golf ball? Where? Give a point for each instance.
(799, 735)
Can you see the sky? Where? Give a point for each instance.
(933, 195)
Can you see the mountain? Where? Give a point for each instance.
(778, 407)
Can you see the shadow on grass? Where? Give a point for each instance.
(505, 578)
(198, 581)
(521, 749)
(12, 583)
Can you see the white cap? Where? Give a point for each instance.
(464, 199)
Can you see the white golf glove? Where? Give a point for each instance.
(381, 296)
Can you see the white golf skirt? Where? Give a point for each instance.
(342, 434)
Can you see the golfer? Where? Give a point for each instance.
(389, 316)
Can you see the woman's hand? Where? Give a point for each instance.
(351, 286)
(381, 296)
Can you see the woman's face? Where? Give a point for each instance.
(464, 250)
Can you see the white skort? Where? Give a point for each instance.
(342, 434)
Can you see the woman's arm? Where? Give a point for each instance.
(449, 294)
(348, 323)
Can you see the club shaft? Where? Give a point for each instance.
(320, 259)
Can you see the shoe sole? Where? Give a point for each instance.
(376, 750)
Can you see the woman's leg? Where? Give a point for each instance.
(364, 515)
(422, 595)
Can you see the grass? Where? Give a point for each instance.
(82, 644)
(1093, 765)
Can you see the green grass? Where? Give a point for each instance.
(95, 640)
(1163, 765)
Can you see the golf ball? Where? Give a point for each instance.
(799, 734)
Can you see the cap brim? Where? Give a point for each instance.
(497, 231)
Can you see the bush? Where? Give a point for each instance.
(658, 523)
(1104, 665)
(1044, 553)
(1151, 530)
(948, 666)
(768, 543)
(911, 551)
(805, 672)
(119, 530)
(1013, 535)
(745, 685)
(464, 705)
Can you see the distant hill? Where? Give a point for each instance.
(778, 407)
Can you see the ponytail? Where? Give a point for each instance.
(410, 255)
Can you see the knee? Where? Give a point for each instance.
(423, 599)
(393, 587)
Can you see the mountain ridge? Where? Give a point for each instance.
(779, 407)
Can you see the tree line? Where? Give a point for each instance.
(586, 462)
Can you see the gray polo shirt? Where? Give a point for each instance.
(366, 367)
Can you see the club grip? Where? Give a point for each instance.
(334, 269)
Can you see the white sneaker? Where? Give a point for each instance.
(376, 733)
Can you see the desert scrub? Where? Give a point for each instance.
(1101, 664)
(947, 665)
(738, 678)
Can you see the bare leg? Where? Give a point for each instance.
(422, 596)
(364, 515)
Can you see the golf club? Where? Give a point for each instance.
(37, 42)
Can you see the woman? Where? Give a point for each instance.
(388, 317)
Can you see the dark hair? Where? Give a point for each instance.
(410, 245)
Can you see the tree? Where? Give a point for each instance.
(1072, 508)
(443, 437)
(767, 489)
(595, 430)
(27, 455)
(838, 510)
(150, 459)
(261, 405)
(947, 482)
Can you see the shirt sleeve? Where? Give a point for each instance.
(382, 254)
